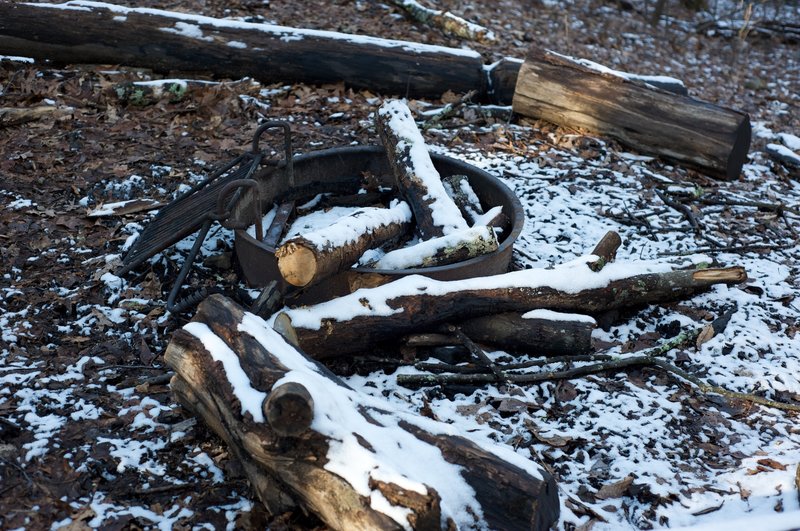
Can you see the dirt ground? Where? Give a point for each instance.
(84, 400)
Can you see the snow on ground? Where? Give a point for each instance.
(632, 450)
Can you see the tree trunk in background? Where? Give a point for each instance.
(705, 136)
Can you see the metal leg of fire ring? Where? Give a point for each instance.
(172, 306)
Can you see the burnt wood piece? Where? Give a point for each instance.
(708, 137)
(167, 41)
(503, 80)
(462, 194)
(516, 332)
(412, 308)
(305, 260)
(418, 182)
(510, 492)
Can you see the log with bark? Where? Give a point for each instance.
(455, 247)
(307, 440)
(449, 23)
(701, 135)
(357, 321)
(417, 180)
(535, 332)
(166, 41)
(307, 259)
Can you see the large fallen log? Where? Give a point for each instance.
(354, 322)
(165, 41)
(701, 135)
(417, 180)
(305, 439)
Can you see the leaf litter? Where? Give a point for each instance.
(89, 435)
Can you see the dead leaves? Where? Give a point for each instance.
(616, 489)
(765, 465)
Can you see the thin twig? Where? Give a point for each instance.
(448, 111)
(728, 249)
(476, 351)
(708, 388)
(682, 209)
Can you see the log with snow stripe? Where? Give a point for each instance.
(355, 322)
(307, 259)
(418, 181)
(358, 464)
(169, 41)
(449, 23)
(455, 247)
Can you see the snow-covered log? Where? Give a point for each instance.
(784, 155)
(413, 303)
(307, 259)
(165, 41)
(417, 180)
(455, 247)
(534, 332)
(446, 21)
(567, 92)
(342, 455)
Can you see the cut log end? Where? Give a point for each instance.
(728, 275)
(297, 264)
(289, 409)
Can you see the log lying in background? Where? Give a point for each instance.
(417, 180)
(449, 23)
(339, 454)
(165, 41)
(535, 332)
(307, 259)
(705, 136)
(502, 79)
(354, 322)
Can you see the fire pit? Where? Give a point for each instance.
(340, 170)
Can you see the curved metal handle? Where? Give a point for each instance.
(287, 144)
(224, 210)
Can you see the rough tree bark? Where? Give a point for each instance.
(534, 332)
(288, 421)
(165, 41)
(417, 180)
(705, 136)
(414, 303)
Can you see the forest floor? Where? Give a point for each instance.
(89, 433)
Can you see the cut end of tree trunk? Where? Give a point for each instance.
(297, 264)
(289, 409)
(728, 275)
